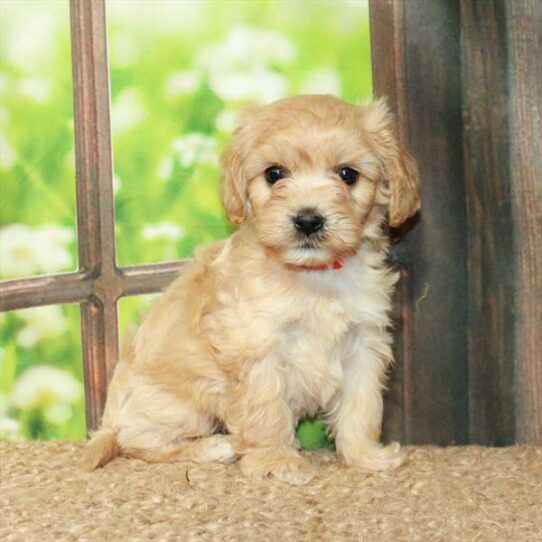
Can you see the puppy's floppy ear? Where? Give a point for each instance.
(399, 180)
(234, 184)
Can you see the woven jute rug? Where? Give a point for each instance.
(441, 494)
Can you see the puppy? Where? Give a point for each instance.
(286, 318)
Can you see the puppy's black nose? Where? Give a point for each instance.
(308, 222)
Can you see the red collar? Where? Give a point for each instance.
(337, 264)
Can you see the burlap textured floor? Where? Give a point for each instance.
(462, 494)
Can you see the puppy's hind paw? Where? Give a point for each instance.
(217, 448)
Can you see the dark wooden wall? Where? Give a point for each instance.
(465, 80)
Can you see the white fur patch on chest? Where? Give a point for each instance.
(310, 372)
(307, 347)
(329, 306)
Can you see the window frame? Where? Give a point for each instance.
(99, 283)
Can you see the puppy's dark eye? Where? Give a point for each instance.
(348, 175)
(274, 174)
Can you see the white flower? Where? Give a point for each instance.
(247, 47)
(183, 82)
(239, 68)
(8, 155)
(226, 121)
(162, 17)
(9, 429)
(324, 81)
(165, 169)
(164, 230)
(257, 85)
(26, 250)
(43, 384)
(41, 322)
(127, 110)
(37, 88)
(27, 40)
(188, 151)
(58, 413)
(261, 46)
(195, 148)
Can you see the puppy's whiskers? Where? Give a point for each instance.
(312, 242)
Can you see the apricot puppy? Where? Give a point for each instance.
(287, 317)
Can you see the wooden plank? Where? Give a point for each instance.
(149, 278)
(502, 82)
(524, 34)
(43, 290)
(388, 67)
(490, 220)
(433, 254)
(97, 337)
(95, 205)
(80, 286)
(386, 20)
(436, 251)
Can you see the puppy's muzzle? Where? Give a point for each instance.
(308, 222)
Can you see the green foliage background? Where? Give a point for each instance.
(165, 205)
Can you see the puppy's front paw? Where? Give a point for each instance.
(287, 467)
(373, 456)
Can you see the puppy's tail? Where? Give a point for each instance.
(101, 448)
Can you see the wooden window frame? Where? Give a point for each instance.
(99, 283)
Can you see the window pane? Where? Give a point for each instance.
(41, 374)
(181, 71)
(37, 219)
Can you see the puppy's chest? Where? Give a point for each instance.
(321, 320)
(309, 352)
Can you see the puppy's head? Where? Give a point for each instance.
(316, 175)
